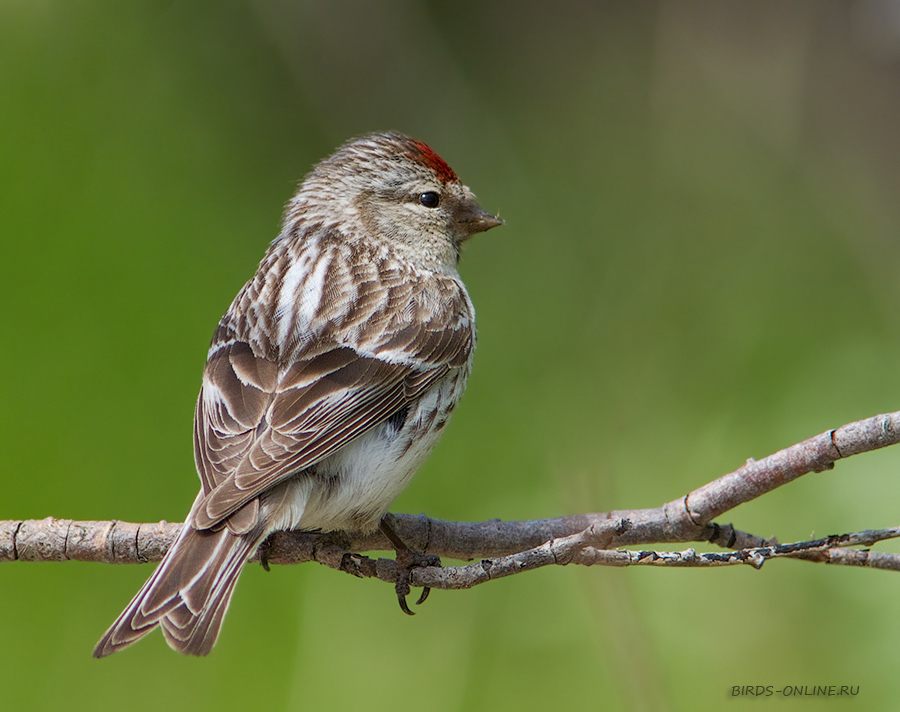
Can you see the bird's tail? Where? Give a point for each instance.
(188, 594)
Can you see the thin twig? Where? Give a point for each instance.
(505, 548)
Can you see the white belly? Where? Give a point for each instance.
(353, 488)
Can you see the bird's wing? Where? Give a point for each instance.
(257, 424)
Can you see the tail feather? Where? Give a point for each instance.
(197, 634)
(187, 595)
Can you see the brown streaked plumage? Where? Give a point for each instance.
(329, 379)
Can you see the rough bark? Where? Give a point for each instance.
(506, 548)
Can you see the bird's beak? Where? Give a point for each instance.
(478, 220)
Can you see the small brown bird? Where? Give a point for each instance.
(328, 380)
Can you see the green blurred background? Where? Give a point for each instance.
(700, 264)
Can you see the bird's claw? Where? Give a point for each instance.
(407, 560)
(263, 554)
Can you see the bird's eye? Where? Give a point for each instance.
(430, 199)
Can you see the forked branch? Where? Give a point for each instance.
(506, 548)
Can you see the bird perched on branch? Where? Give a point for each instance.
(328, 380)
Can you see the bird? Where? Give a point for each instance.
(329, 379)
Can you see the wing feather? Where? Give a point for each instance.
(258, 422)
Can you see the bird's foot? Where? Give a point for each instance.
(264, 551)
(407, 560)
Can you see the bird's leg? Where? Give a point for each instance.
(407, 560)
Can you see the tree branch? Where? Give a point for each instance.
(512, 547)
